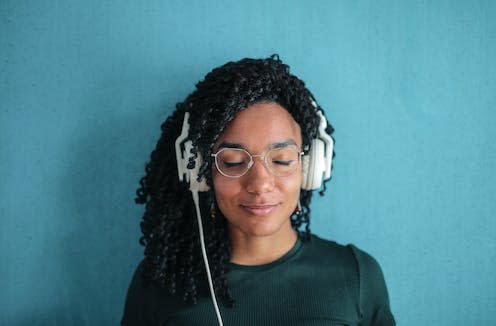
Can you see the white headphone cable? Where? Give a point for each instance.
(205, 259)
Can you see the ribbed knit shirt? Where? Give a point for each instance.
(316, 283)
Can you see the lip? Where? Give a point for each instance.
(259, 210)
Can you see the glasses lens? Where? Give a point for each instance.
(232, 162)
(283, 161)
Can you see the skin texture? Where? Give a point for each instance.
(258, 205)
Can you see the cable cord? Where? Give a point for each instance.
(205, 258)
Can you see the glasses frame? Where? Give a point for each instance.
(263, 156)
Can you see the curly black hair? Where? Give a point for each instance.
(169, 226)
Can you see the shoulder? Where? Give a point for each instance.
(144, 300)
(373, 293)
(327, 248)
(331, 252)
(135, 308)
(368, 267)
(365, 268)
(363, 272)
(362, 262)
(336, 262)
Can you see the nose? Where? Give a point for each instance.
(258, 179)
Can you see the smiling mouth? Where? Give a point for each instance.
(259, 210)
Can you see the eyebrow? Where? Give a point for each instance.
(281, 144)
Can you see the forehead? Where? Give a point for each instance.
(261, 125)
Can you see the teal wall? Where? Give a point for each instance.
(410, 87)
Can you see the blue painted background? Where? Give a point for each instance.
(410, 87)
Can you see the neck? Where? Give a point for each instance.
(260, 250)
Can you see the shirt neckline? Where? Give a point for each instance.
(253, 268)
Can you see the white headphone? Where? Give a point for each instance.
(317, 163)
(182, 159)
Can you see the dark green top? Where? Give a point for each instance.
(315, 283)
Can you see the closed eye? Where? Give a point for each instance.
(281, 162)
(232, 164)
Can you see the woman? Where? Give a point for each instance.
(242, 155)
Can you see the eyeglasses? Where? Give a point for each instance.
(235, 162)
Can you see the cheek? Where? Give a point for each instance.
(292, 185)
(225, 189)
(227, 194)
(291, 191)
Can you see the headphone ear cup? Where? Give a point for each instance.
(305, 162)
(193, 175)
(183, 149)
(314, 166)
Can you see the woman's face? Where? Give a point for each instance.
(258, 203)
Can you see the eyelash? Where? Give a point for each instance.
(231, 164)
(288, 162)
